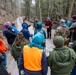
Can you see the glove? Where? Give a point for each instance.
(22, 72)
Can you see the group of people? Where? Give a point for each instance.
(67, 30)
(31, 57)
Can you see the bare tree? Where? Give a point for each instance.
(69, 9)
(27, 8)
(40, 11)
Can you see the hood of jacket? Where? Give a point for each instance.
(62, 60)
(63, 56)
(39, 25)
(73, 25)
(37, 41)
(24, 26)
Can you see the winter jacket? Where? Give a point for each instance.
(48, 23)
(15, 29)
(33, 61)
(10, 35)
(68, 23)
(16, 49)
(61, 61)
(25, 24)
(74, 47)
(72, 36)
(74, 71)
(2, 46)
(26, 32)
(39, 29)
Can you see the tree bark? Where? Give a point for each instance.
(69, 9)
(40, 11)
(48, 8)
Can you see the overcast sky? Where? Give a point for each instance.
(33, 1)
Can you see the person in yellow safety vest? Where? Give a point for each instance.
(32, 60)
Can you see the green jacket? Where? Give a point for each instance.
(16, 49)
(62, 60)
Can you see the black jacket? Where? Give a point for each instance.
(10, 35)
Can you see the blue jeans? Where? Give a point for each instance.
(5, 61)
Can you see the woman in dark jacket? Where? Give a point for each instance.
(2, 69)
(10, 35)
(48, 25)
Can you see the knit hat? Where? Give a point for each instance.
(48, 18)
(62, 21)
(58, 41)
(74, 17)
(7, 25)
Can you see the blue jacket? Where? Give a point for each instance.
(15, 29)
(68, 23)
(26, 32)
(39, 29)
(74, 71)
(25, 25)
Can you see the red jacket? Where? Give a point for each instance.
(48, 23)
(2, 46)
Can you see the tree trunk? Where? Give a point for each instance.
(48, 8)
(69, 9)
(40, 11)
(27, 8)
(36, 7)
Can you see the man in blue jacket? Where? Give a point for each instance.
(26, 32)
